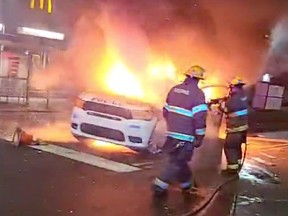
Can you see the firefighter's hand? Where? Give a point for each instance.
(198, 141)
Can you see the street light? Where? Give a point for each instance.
(41, 33)
(266, 78)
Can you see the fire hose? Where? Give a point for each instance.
(222, 185)
(218, 189)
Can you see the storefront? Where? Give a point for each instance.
(29, 31)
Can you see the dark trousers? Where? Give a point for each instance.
(233, 146)
(177, 168)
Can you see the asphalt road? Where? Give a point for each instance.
(72, 178)
(263, 184)
(35, 182)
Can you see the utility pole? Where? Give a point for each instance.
(29, 68)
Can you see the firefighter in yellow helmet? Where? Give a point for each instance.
(185, 113)
(236, 111)
(196, 71)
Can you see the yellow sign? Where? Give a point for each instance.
(41, 4)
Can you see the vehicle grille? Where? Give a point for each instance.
(104, 116)
(107, 109)
(102, 132)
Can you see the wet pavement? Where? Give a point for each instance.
(264, 180)
(34, 182)
(38, 183)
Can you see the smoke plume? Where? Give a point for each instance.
(277, 63)
(225, 37)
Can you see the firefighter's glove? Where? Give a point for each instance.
(198, 141)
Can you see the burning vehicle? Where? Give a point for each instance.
(118, 120)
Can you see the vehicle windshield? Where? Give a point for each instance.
(108, 109)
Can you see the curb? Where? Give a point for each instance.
(29, 111)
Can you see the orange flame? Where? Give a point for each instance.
(106, 147)
(121, 81)
(214, 90)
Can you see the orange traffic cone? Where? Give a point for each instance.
(20, 137)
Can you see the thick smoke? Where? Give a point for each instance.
(277, 63)
(279, 38)
(226, 37)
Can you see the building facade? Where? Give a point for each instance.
(29, 30)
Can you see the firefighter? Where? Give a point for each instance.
(235, 108)
(185, 113)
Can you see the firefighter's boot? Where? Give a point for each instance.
(189, 191)
(159, 192)
(231, 170)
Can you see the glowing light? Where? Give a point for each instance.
(107, 147)
(118, 78)
(266, 78)
(214, 92)
(122, 82)
(51, 132)
(213, 88)
(208, 94)
(2, 26)
(163, 70)
(222, 134)
(42, 5)
(41, 33)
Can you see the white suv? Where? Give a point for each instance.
(118, 121)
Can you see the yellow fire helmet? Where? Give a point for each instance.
(237, 81)
(196, 71)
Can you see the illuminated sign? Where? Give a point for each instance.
(40, 33)
(42, 4)
(2, 27)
